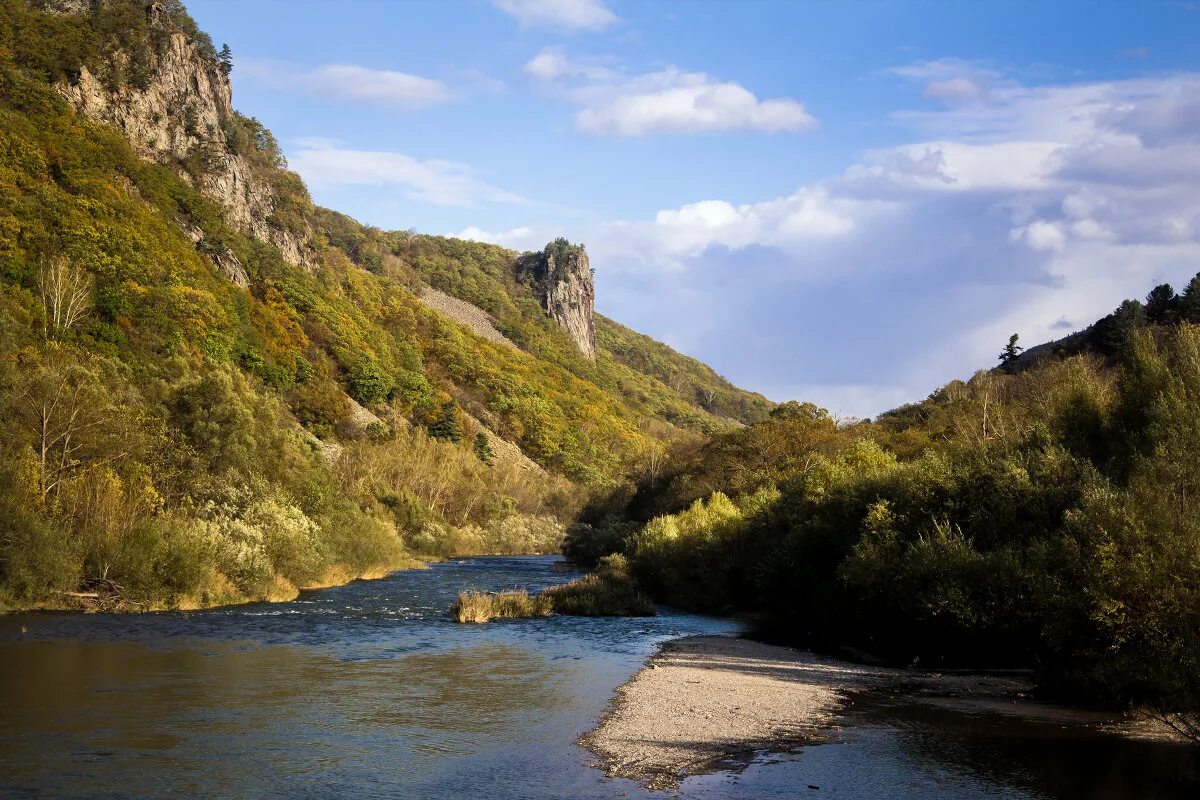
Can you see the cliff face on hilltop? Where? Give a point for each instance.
(561, 278)
(173, 102)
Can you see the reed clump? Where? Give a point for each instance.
(475, 606)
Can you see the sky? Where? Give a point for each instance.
(845, 202)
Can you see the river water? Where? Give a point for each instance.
(370, 691)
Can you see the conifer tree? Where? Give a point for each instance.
(1012, 350)
(225, 59)
(1162, 305)
(1189, 301)
(447, 427)
(483, 449)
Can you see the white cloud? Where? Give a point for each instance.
(350, 83)
(520, 238)
(553, 64)
(673, 101)
(381, 87)
(1040, 235)
(324, 164)
(1040, 207)
(571, 15)
(669, 101)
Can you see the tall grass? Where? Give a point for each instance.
(474, 606)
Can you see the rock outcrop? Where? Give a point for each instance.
(179, 111)
(561, 277)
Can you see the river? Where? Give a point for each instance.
(370, 691)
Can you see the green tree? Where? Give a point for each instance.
(1110, 335)
(483, 449)
(225, 59)
(1162, 305)
(369, 384)
(1189, 301)
(1008, 356)
(447, 426)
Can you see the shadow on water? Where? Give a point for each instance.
(370, 691)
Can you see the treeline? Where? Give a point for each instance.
(1048, 518)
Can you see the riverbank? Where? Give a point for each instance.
(705, 701)
(108, 596)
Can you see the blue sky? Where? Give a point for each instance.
(849, 203)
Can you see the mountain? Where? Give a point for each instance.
(212, 389)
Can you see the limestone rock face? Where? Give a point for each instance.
(561, 276)
(184, 110)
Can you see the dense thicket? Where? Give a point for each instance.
(1047, 518)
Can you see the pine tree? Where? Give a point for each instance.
(1110, 334)
(1189, 302)
(225, 59)
(1162, 305)
(483, 448)
(447, 427)
(1012, 350)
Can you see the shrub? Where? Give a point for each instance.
(610, 591)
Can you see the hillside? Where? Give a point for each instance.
(213, 390)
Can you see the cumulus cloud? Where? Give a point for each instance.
(571, 15)
(673, 101)
(350, 83)
(323, 163)
(1033, 212)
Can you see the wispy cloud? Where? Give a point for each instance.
(571, 15)
(553, 64)
(951, 80)
(350, 83)
(323, 163)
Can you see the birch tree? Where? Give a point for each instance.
(66, 292)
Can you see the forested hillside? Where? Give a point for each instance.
(212, 390)
(1045, 515)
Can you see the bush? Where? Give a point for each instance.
(610, 591)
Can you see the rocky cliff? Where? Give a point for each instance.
(173, 104)
(561, 278)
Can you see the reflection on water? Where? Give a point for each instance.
(370, 691)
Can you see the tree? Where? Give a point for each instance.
(75, 422)
(483, 448)
(1110, 334)
(66, 292)
(1012, 350)
(447, 427)
(793, 409)
(225, 59)
(1189, 301)
(1162, 305)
